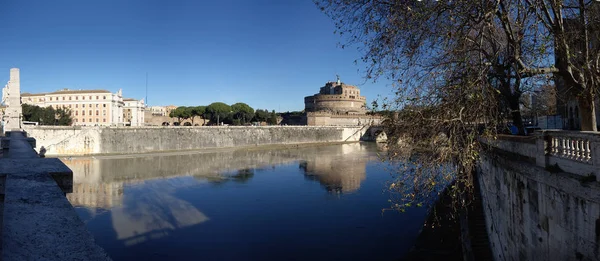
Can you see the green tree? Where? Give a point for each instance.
(181, 113)
(63, 117)
(46, 116)
(273, 118)
(261, 115)
(242, 112)
(217, 111)
(199, 111)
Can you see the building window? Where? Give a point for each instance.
(83, 97)
(76, 120)
(69, 105)
(97, 97)
(103, 112)
(50, 98)
(83, 112)
(76, 105)
(96, 105)
(76, 113)
(82, 120)
(90, 97)
(90, 119)
(103, 120)
(104, 97)
(97, 112)
(104, 105)
(64, 98)
(97, 120)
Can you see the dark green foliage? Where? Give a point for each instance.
(218, 112)
(46, 116)
(273, 118)
(242, 113)
(261, 115)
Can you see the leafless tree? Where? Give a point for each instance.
(455, 65)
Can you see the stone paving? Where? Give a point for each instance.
(39, 222)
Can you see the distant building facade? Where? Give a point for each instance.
(88, 107)
(337, 97)
(133, 112)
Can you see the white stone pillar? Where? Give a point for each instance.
(13, 101)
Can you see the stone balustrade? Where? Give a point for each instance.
(575, 152)
(571, 151)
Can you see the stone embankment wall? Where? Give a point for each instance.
(131, 140)
(534, 214)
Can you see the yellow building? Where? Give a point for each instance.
(87, 107)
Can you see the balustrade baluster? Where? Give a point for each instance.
(578, 149)
(566, 147)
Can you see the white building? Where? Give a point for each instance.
(133, 112)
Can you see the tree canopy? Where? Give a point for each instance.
(242, 112)
(46, 116)
(217, 111)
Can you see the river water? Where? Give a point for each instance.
(312, 203)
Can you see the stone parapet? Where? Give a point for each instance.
(132, 140)
(575, 152)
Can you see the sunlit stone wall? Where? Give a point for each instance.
(131, 140)
(533, 214)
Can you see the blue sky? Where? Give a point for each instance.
(267, 53)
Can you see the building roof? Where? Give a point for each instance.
(129, 99)
(26, 94)
(67, 91)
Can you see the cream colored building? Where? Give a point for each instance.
(133, 112)
(87, 107)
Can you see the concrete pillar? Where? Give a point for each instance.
(541, 158)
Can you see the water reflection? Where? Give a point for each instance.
(245, 195)
(98, 182)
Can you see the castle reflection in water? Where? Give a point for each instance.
(100, 183)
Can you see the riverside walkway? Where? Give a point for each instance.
(38, 221)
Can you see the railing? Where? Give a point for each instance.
(575, 152)
(570, 145)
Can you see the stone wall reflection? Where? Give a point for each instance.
(99, 182)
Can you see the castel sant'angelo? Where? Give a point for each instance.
(337, 103)
(336, 98)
